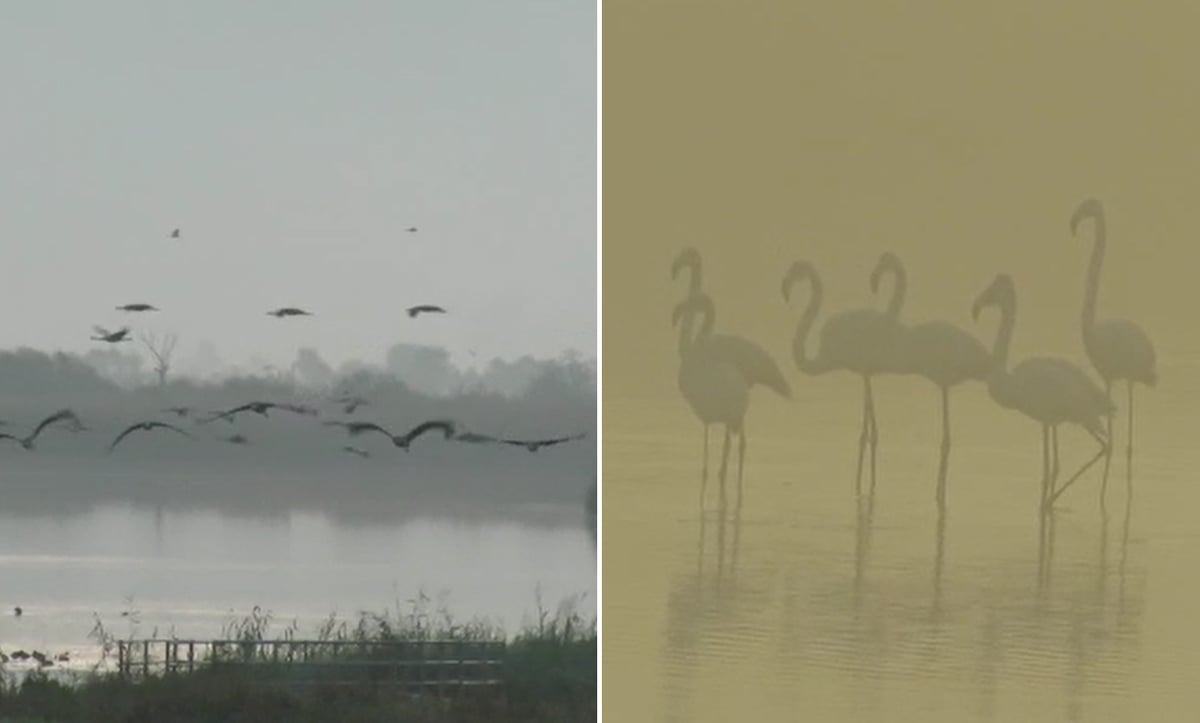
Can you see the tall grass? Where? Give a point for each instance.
(549, 673)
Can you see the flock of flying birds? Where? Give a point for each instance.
(717, 370)
(451, 430)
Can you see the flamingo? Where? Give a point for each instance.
(1118, 349)
(939, 351)
(715, 388)
(755, 363)
(1049, 390)
(861, 341)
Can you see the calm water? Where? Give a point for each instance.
(807, 604)
(190, 571)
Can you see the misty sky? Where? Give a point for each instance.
(293, 144)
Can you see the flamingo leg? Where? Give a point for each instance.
(862, 436)
(1086, 466)
(944, 461)
(1107, 457)
(724, 463)
(874, 431)
(1045, 465)
(1128, 431)
(704, 469)
(741, 461)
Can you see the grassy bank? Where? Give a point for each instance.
(549, 674)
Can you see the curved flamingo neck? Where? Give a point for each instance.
(800, 340)
(1092, 286)
(899, 289)
(1003, 340)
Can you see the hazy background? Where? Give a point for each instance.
(292, 149)
(961, 138)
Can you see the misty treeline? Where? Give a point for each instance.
(527, 398)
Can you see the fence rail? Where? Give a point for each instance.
(416, 664)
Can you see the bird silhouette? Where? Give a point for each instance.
(111, 337)
(756, 363)
(1118, 349)
(713, 385)
(236, 439)
(356, 451)
(1049, 390)
(175, 233)
(446, 426)
(860, 341)
(534, 445)
(179, 411)
(425, 309)
(356, 428)
(146, 426)
(288, 311)
(137, 307)
(62, 415)
(260, 408)
(411, 229)
(939, 351)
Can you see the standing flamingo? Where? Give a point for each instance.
(859, 341)
(756, 366)
(941, 352)
(1118, 349)
(1048, 390)
(714, 387)
(755, 363)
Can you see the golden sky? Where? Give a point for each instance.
(959, 135)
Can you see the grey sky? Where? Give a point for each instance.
(293, 144)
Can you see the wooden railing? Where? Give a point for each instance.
(424, 664)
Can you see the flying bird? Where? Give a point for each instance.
(147, 426)
(137, 307)
(350, 403)
(260, 408)
(411, 229)
(62, 415)
(111, 337)
(425, 309)
(179, 411)
(356, 451)
(354, 429)
(288, 311)
(236, 439)
(534, 445)
(447, 427)
(175, 233)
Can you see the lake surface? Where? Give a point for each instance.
(808, 603)
(188, 569)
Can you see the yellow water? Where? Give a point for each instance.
(807, 604)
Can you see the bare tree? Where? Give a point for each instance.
(162, 348)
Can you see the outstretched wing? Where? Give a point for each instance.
(447, 426)
(128, 431)
(101, 331)
(60, 415)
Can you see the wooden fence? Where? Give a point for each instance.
(439, 664)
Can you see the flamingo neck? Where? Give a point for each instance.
(799, 341)
(1092, 286)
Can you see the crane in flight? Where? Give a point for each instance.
(260, 408)
(145, 426)
(137, 307)
(111, 337)
(288, 311)
(62, 415)
(534, 445)
(413, 311)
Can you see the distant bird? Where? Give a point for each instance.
(475, 438)
(236, 439)
(425, 309)
(18, 611)
(62, 415)
(860, 341)
(534, 445)
(111, 337)
(1049, 390)
(1118, 349)
(354, 429)
(303, 409)
(356, 451)
(350, 403)
(936, 350)
(411, 229)
(288, 311)
(147, 426)
(260, 408)
(447, 427)
(137, 307)
(175, 233)
(179, 411)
